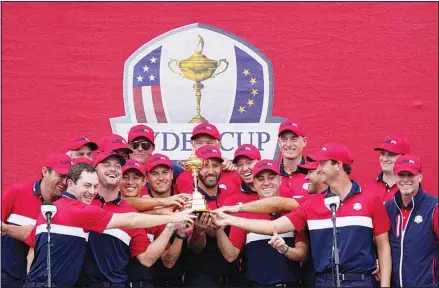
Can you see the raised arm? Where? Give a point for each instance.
(156, 248)
(149, 203)
(264, 206)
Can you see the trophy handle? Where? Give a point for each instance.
(219, 64)
(170, 67)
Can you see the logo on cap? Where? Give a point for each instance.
(294, 124)
(137, 164)
(247, 148)
(323, 149)
(407, 161)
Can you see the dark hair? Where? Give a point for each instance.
(75, 172)
(49, 170)
(347, 168)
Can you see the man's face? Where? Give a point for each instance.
(314, 179)
(329, 171)
(85, 188)
(142, 149)
(210, 174)
(267, 184)
(408, 183)
(55, 183)
(203, 140)
(109, 172)
(160, 179)
(132, 183)
(84, 151)
(387, 160)
(291, 145)
(244, 166)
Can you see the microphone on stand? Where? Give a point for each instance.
(49, 211)
(332, 202)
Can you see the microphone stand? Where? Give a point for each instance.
(49, 269)
(335, 254)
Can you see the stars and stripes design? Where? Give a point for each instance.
(147, 96)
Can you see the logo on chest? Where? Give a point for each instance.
(357, 206)
(418, 219)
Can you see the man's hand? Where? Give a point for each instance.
(278, 243)
(228, 209)
(183, 228)
(4, 229)
(227, 165)
(202, 222)
(376, 273)
(220, 219)
(184, 216)
(178, 200)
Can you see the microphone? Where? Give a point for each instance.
(332, 202)
(48, 210)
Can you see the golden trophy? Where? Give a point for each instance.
(198, 68)
(195, 164)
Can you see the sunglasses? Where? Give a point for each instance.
(145, 145)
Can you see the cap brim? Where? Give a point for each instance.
(61, 170)
(265, 169)
(115, 155)
(388, 148)
(288, 129)
(251, 157)
(307, 167)
(410, 169)
(203, 133)
(132, 168)
(318, 158)
(93, 146)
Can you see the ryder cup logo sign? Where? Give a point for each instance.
(195, 74)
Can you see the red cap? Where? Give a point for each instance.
(334, 151)
(141, 131)
(206, 128)
(114, 142)
(100, 156)
(60, 162)
(156, 160)
(294, 127)
(82, 160)
(248, 151)
(395, 143)
(309, 165)
(77, 142)
(134, 164)
(209, 151)
(265, 165)
(408, 163)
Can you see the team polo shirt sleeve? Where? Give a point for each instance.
(301, 237)
(436, 221)
(299, 217)
(237, 237)
(93, 218)
(139, 241)
(8, 198)
(380, 218)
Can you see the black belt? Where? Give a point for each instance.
(278, 285)
(138, 284)
(345, 277)
(167, 283)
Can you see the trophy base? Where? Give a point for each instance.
(199, 119)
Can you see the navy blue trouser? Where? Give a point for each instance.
(325, 280)
(9, 281)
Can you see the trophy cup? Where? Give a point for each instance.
(198, 68)
(195, 164)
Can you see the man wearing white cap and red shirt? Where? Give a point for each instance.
(80, 147)
(21, 205)
(361, 219)
(207, 134)
(414, 235)
(390, 149)
(292, 141)
(117, 144)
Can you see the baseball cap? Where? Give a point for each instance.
(77, 142)
(206, 128)
(114, 142)
(265, 165)
(60, 162)
(141, 131)
(408, 163)
(292, 126)
(100, 156)
(134, 164)
(334, 151)
(395, 143)
(209, 151)
(248, 151)
(156, 160)
(309, 165)
(82, 160)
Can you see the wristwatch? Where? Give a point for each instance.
(170, 226)
(179, 236)
(241, 207)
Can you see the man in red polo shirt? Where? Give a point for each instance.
(292, 141)
(390, 149)
(78, 147)
(207, 134)
(20, 208)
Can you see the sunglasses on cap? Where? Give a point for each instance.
(145, 145)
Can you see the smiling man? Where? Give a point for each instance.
(414, 232)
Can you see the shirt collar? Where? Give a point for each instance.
(207, 196)
(298, 170)
(116, 201)
(379, 179)
(415, 198)
(68, 195)
(246, 189)
(37, 188)
(355, 189)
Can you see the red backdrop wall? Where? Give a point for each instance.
(349, 72)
